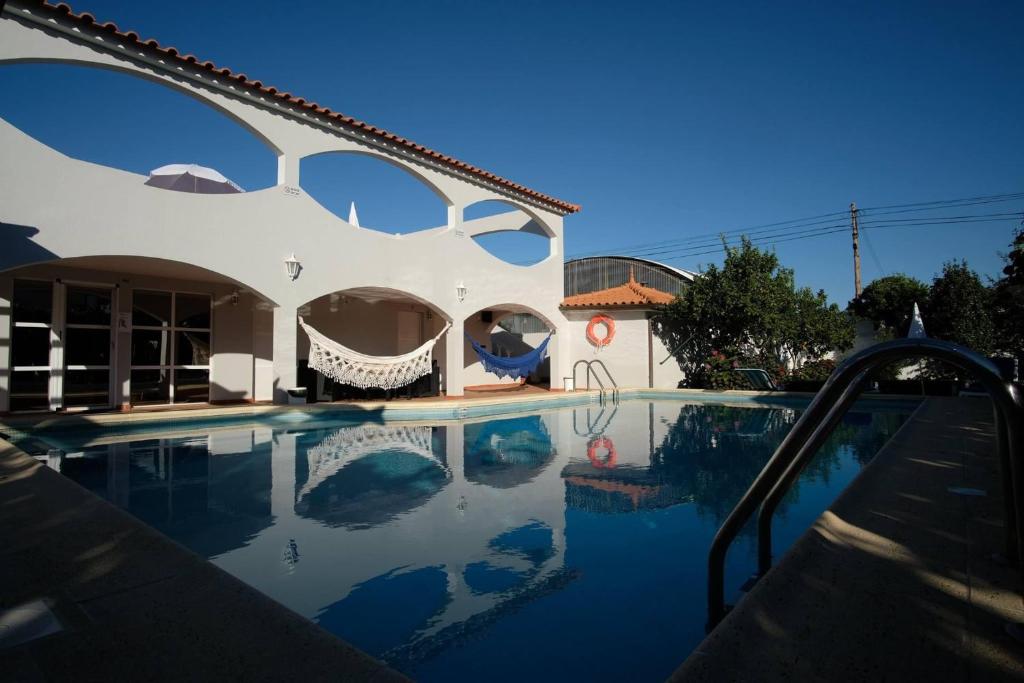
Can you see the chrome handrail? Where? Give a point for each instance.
(591, 371)
(615, 385)
(825, 412)
(587, 363)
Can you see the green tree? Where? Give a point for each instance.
(1008, 299)
(889, 301)
(749, 311)
(960, 309)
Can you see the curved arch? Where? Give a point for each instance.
(335, 177)
(515, 248)
(149, 266)
(186, 87)
(375, 294)
(511, 309)
(526, 209)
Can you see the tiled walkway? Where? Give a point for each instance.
(136, 606)
(896, 582)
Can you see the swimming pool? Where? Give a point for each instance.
(564, 544)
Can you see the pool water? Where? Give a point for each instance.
(564, 545)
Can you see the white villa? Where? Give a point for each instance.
(115, 293)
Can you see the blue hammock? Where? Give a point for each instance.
(514, 366)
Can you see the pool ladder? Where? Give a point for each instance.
(827, 410)
(594, 428)
(602, 397)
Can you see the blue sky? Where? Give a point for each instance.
(664, 120)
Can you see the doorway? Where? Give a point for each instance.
(88, 347)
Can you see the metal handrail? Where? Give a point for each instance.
(825, 412)
(591, 371)
(615, 385)
(587, 363)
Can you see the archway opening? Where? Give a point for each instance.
(507, 232)
(386, 197)
(376, 322)
(510, 332)
(124, 121)
(104, 332)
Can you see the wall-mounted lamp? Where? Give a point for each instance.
(234, 298)
(292, 266)
(460, 290)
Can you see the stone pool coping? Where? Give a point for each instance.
(135, 605)
(397, 410)
(896, 580)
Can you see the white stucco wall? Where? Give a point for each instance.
(54, 207)
(628, 356)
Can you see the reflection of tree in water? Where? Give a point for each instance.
(715, 452)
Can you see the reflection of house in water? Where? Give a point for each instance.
(702, 454)
(360, 477)
(618, 473)
(507, 453)
(210, 492)
(618, 490)
(457, 538)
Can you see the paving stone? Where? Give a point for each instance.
(896, 581)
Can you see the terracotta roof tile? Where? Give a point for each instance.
(631, 293)
(87, 19)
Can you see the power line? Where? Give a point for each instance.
(777, 235)
(811, 222)
(874, 256)
(800, 235)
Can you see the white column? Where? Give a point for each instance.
(58, 334)
(455, 216)
(454, 379)
(120, 365)
(285, 352)
(6, 326)
(561, 361)
(288, 170)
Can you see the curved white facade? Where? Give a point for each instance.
(54, 208)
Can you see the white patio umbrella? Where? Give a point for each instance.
(191, 178)
(916, 330)
(353, 217)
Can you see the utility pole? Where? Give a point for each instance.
(856, 249)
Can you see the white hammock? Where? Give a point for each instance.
(344, 365)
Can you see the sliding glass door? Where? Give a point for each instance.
(170, 347)
(31, 337)
(88, 346)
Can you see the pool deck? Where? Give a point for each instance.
(896, 581)
(136, 606)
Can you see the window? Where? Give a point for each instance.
(32, 314)
(170, 355)
(88, 346)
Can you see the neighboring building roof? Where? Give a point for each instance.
(85, 19)
(632, 293)
(685, 274)
(593, 273)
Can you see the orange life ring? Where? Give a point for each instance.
(606, 443)
(608, 323)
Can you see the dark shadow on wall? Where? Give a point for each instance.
(18, 249)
